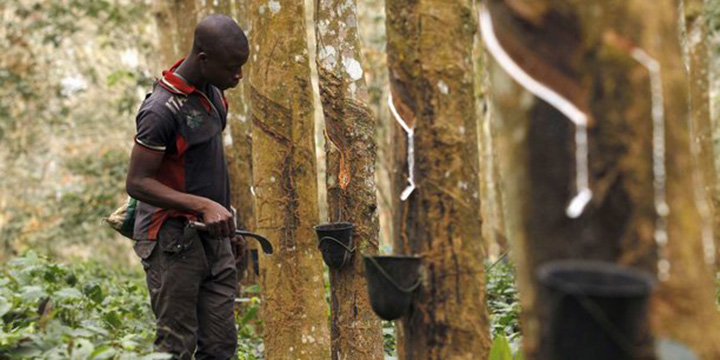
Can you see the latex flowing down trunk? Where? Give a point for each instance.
(430, 64)
(350, 152)
(591, 53)
(696, 31)
(285, 183)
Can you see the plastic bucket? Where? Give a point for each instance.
(598, 310)
(391, 282)
(335, 243)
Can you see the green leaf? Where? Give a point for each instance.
(32, 293)
(112, 318)
(94, 292)
(249, 314)
(254, 288)
(83, 349)
(156, 356)
(103, 352)
(68, 293)
(519, 355)
(5, 306)
(500, 349)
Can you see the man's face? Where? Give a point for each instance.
(223, 67)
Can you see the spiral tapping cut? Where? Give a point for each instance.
(583, 193)
(411, 150)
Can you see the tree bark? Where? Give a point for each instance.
(585, 52)
(175, 20)
(371, 20)
(493, 229)
(350, 152)
(285, 182)
(698, 55)
(430, 64)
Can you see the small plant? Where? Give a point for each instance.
(503, 303)
(250, 343)
(500, 350)
(79, 311)
(388, 331)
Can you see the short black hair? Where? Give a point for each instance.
(218, 32)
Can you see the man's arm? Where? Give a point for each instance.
(141, 185)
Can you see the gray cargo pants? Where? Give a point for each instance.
(192, 281)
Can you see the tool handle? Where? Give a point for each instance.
(197, 225)
(264, 243)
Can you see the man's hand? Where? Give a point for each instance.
(218, 220)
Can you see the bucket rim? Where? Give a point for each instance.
(336, 226)
(398, 257)
(644, 284)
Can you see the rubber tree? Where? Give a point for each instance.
(698, 58)
(495, 240)
(238, 139)
(431, 76)
(175, 20)
(350, 155)
(371, 26)
(618, 62)
(285, 182)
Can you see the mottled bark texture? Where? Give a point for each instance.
(431, 75)
(371, 26)
(493, 229)
(584, 49)
(350, 154)
(698, 58)
(175, 20)
(285, 182)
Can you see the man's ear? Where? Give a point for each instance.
(202, 56)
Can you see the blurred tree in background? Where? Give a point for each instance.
(71, 78)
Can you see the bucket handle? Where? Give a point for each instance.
(350, 250)
(390, 279)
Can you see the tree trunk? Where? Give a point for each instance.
(351, 153)
(493, 229)
(429, 57)
(371, 20)
(574, 48)
(285, 182)
(175, 20)
(238, 143)
(696, 31)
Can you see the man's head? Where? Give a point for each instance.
(220, 49)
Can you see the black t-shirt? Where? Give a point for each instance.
(186, 125)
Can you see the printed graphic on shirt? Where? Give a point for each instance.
(194, 119)
(174, 103)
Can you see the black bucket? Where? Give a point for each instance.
(598, 310)
(391, 282)
(335, 243)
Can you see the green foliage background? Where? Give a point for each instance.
(71, 76)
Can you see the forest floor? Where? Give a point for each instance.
(87, 310)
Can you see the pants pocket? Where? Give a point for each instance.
(145, 250)
(175, 239)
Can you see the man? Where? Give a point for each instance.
(178, 174)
